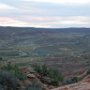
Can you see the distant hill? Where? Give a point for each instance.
(21, 35)
(17, 29)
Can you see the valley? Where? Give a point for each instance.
(65, 49)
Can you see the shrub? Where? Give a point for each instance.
(38, 69)
(52, 73)
(75, 79)
(8, 81)
(56, 75)
(44, 70)
(88, 72)
(2, 87)
(1, 58)
(14, 69)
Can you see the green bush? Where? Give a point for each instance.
(75, 79)
(14, 69)
(44, 70)
(38, 69)
(2, 87)
(57, 76)
(88, 72)
(8, 81)
(52, 73)
(1, 58)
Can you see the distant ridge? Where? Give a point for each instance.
(71, 29)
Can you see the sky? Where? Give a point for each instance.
(45, 13)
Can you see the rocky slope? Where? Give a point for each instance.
(82, 85)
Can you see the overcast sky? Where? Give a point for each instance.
(45, 13)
